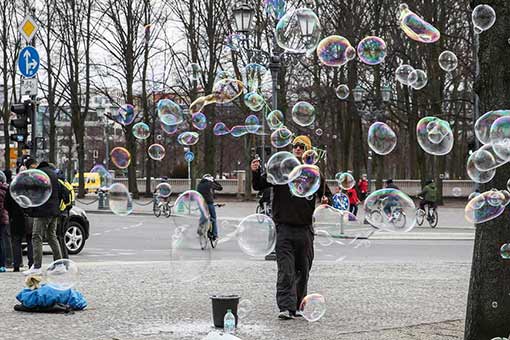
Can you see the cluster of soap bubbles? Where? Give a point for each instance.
(486, 206)
(31, 188)
(409, 76)
(483, 17)
(381, 138)
(434, 136)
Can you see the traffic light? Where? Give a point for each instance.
(23, 113)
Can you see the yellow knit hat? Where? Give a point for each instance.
(303, 139)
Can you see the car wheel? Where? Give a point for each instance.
(74, 237)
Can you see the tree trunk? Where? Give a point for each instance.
(488, 303)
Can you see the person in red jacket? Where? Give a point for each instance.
(4, 219)
(353, 200)
(363, 187)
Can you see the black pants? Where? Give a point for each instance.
(17, 251)
(353, 209)
(294, 256)
(61, 229)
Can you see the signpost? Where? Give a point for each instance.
(189, 156)
(28, 62)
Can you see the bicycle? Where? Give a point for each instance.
(205, 234)
(161, 207)
(431, 214)
(396, 217)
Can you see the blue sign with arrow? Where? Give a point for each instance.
(189, 156)
(28, 62)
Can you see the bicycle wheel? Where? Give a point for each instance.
(400, 220)
(433, 219)
(375, 217)
(168, 211)
(420, 216)
(156, 209)
(213, 241)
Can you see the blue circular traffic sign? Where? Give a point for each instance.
(189, 156)
(28, 62)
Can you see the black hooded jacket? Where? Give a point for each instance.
(206, 189)
(51, 207)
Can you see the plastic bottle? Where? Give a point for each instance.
(229, 322)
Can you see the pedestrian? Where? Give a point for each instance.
(66, 203)
(4, 220)
(294, 234)
(363, 187)
(353, 201)
(21, 228)
(45, 220)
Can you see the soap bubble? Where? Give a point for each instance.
(188, 138)
(281, 137)
(253, 76)
(238, 131)
(457, 192)
(252, 123)
(169, 112)
(156, 152)
(403, 72)
(199, 103)
(342, 91)
(303, 113)
(104, 175)
(415, 27)
(486, 159)
(318, 132)
(326, 217)
(141, 131)
(434, 136)
(485, 207)
(289, 35)
(306, 180)
(372, 50)
(448, 61)
(193, 70)
(499, 137)
(120, 200)
(473, 195)
(233, 41)
(199, 121)
(226, 90)
(169, 129)
(31, 188)
(335, 50)
(340, 201)
(188, 260)
(391, 210)
(310, 157)
(381, 138)
(256, 235)
(163, 190)
(477, 175)
(275, 119)
(125, 114)
(494, 304)
(483, 17)
(120, 157)
(62, 274)
(484, 123)
(254, 101)
(313, 307)
(418, 79)
(345, 180)
(220, 129)
(504, 251)
(279, 166)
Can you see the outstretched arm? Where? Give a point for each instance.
(258, 181)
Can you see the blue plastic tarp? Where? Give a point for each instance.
(47, 296)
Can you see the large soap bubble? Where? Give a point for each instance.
(477, 175)
(238, 131)
(483, 17)
(448, 61)
(310, 157)
(226, 90)
(252, 123)
(391, 210)
(418, 79)
(199, 121)
(163, 190)
(62, 274)
(281, 137)
(342, 91)
(254, 101)
(434, 136)
(31, 188)
(256, 235)
(189, 262)
(169, 129)
(141, 131)
(345, 180)
(169, 112)
(313, 307)
(415, 27)
(486, 159)
(372, 50)
(220, 129)
(381, 138)
(289, 31)
(188, 138)
(156, 151)
(199, 103)
(254, 74)
(335, 50)
(306, 180)
(499, 137)
(279, 167)
(486, 206)
(275, 119)
(484, 123)
(120, 200)
(120, 157)
(104, 175)
(125, 115)
(303, 113)
(403, 72)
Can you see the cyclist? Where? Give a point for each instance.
(206, 188)
(390, 203)
(428, 195)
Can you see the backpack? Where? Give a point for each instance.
(67, 195)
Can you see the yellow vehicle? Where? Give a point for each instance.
(92, 182)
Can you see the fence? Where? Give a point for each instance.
(236, 186)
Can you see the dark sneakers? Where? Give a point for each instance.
(286, 315)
